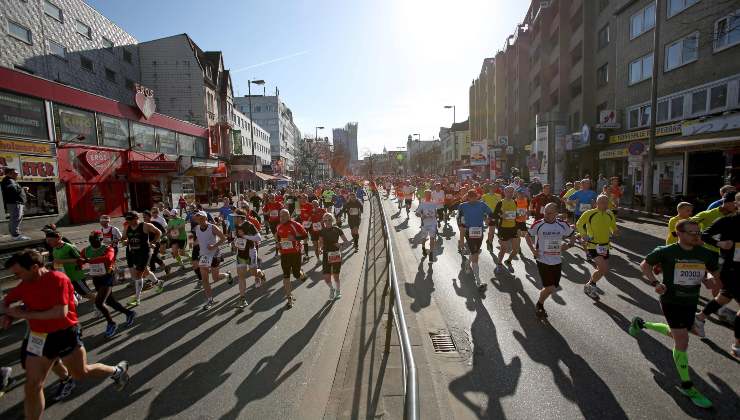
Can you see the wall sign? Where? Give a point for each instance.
(38, 168)
(712, 125)
(26, 147)
(663, 130)
(98, 160)
(144, 99)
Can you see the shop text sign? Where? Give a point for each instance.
(712, 125)
(98, 160)
(25, 147)
(613, 154)
(144, 99)
(664, 130)
(38, 168)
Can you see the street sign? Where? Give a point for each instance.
(503, 140)
(585, 133)
(608, 119)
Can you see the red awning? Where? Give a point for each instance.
(153, 166)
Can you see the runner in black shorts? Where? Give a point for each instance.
(354, 210)
(332, 261)
(136, 238)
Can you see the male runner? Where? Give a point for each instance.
(138, 247)
(597, 227)
(247, 235)
(66, 257)
(473, 212)
(288, 238)
(491, 198)
(317, 217)
(438, 198)
(331, 264)
(427, 211)
(178, 237)
(505, 219)
(583, 199)
(209, 238)
(353, 208)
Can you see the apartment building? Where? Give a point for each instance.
(69, 42)
(455, 146)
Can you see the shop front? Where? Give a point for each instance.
(205, 173)
(150, 176)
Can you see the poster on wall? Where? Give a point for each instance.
(478, 153)
(9, 161)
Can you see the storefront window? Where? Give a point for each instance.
(167, 141)
(187, 145)
(143, 138)
(75, 126)
(113, 131)
(21, 116)
(41, 199)
(201, 147)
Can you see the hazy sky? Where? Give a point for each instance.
(390, 65)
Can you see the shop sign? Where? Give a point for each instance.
(528, 147)
(637, 148)
(204, 163)
(614, 153)
(38, 168)
(144, 99)
(26, 147)
(154, 166)
(98, 160)
(608, 119)
(478, 153)
(712, 125)
(663, 130)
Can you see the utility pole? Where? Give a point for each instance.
(648, 187)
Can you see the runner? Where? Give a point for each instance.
(100, 259)
(138, 248)
(328, 196)
(66, 257)
(178, 237)
(684, 267)
(247, 236)
(304, 218)
(209, 238)
(339, 202)
(332, 259)
(408, 196)
(583, 199)
(427, 211)
(288, 239)
(438, 198)
(272, 210)
(505, 219)
(684, 211)
(542, 199)
(597, 227)
(155, 259)
(354, 218)
(55, 333)
(473, 212)
(317, 217)
(522, 214)
(549, 234)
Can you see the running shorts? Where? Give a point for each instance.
(353, 222)
(591, 253)
(678, 316)
(549, 274)
(473, 244)
(103, 281)
(137, 259)
(291, 263)
(507, 233)
(81, 287)
(58, 344)
(333, 268)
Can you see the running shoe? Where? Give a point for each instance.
(331, 293)
(111, 330)
(160, 287)
(306, 258)
(699, 327)
(338, 295)
(589, 290)
(198, 286)
(482, 287)
(727, 315)
(242, 303)
(289, 303)
(697, 398)
(230, 280)
(121, 376)
(64, 389)
(598, 289)
(6, 380)
(167, 270)
(540, 312)
(636, 326)
(208, 305)
(303, 276)
(130, 319)
(736, 351)
(423, 251)
(133, 302)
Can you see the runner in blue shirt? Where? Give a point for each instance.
(722, 191)
(360, 193)
(472, 215)
(583, 199)
(338, 206)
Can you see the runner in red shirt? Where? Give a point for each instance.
(304, 218)
(55, 333)
(288, 240)
(272, 210)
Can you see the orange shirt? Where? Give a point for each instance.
(522, 208)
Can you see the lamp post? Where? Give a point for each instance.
(251, 121)
(452, 133)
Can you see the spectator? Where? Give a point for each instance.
(722, 191)
(14, 197)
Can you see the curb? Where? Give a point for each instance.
(641, 213)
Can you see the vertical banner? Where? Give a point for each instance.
(479, 153)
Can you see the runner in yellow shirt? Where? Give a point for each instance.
(684, 210)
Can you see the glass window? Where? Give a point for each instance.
(201, 147)
(603, 37)
(143, 137)
(718, 97)
(187, 145)
(644, 115)
(727, 31)
(642, 21)
(677, 108)
(682, 52)
(699, 102)
(42, 199)
(167, 141)
(602, 75)
(107, 43)
(113, 131)
(86, 63)
(18, 31)
(52, 10)
(662, 115)
(676, 6)
(641, 69)
(57, 49)
(127, 57)
(74, 125)
(21, 116)
(83, 29)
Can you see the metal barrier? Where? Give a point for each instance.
(395, 310)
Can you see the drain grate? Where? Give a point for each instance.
(442, 342)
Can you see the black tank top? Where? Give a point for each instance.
(137, 239)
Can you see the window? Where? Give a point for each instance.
(642, 21)
(644, 115)
(52, 10)
(602, 75)
(114, 132)
(86, 63)
(639, 116)
(110, 75)
(682, 52)
(83, 29)
(677, 108)
(18, 31)
(576, 54)
(108, 44)
(21, 116)
(129, 84)
(677, 6)
(727, 32)
(74, 125)
(201, 147)
(127, 56)
(603, 37)
(634, 117)
(167, 141)
(42, 196)
(641, 69)
(143, 138)
(187, 145)
(575, 88)
(662, 115)
(57, 49)
(699, 102)
(718, 97)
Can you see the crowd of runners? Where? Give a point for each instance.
(296, 222)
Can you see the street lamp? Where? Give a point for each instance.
(453, 111)
(251, 121)
(316, 136)
(454, 137)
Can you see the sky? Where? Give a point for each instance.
(390, 65)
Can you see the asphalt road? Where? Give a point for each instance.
(263, 362)
(581, 363)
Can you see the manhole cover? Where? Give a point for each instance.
(442, 342)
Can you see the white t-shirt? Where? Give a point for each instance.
(427, 210)
(438, 198)
(205, 238)
(548, 239)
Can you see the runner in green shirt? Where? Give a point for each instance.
(66, 257)
(178, 237)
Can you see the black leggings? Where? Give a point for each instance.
(105, 297)
(155, 259)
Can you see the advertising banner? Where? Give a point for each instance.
(478, 153)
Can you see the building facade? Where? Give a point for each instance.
(69, 42)
(455, 147)
(345, 139)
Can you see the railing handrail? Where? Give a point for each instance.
(410, 385)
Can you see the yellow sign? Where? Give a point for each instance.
(18, 146)
(613, 154)
(664, 130)
(528, 147)
(35, 168)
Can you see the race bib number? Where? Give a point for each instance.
(448, 196)
(36, 341)
(205, 261)
(602, 249)
(736, 258)
(509, 215)
(240, 243)
(290, 201)
(316, 227)
(59, 267)
(334, 257)
(174, 234)
(688, 274)
(97, 269)
(286, 245)
(306, 225)
(354, 211)
(584, 207)
(475, 232)
(273, 213)
(551, 248)
(521, 212)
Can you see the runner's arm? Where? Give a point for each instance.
(711, 234)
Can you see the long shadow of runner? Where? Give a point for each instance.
(422, 288)
(271, 371)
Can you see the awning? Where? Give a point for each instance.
(699, 143)
(153, 166)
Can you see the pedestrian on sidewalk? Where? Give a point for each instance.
(14, 196)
